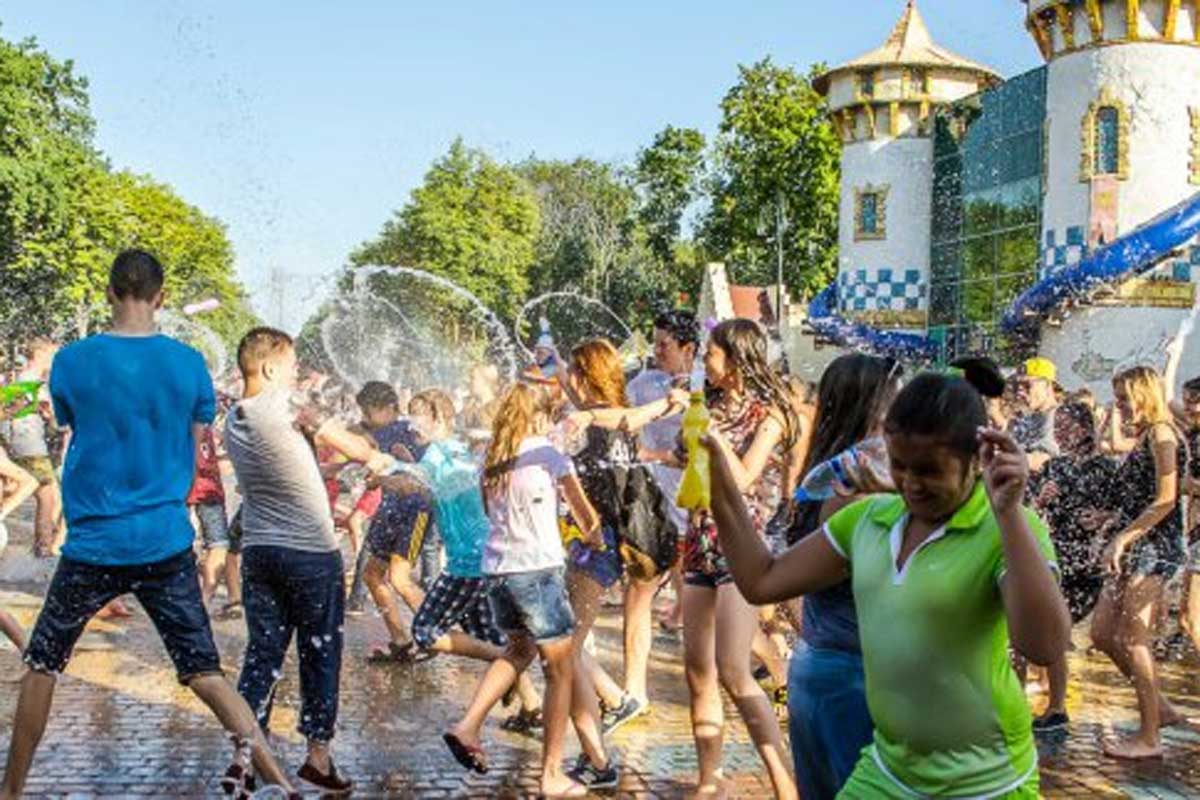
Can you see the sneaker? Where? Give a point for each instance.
(586, 773)
(356, 609)
(1051, 721)
(629, 709)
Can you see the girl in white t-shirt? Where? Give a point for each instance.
(523, 561)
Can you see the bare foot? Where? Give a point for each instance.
(562, 786)
(1132, 749)
(710, 791)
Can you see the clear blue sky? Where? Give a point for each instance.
(304, 124)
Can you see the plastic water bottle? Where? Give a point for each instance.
(695, 488)
(844, 474)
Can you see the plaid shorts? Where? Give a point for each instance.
(456, 601)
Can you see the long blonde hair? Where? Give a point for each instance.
(1147, 397)
(516, 420)
(598, 365)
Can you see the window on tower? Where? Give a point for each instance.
(866, 84)
(1108, 141)
(870, 213)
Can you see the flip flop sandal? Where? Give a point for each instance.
(238, 781)
(393, 654)
(471, 758)
(523, 722)
(230, 611)
(578, 790)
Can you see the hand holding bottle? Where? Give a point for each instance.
(695, 489)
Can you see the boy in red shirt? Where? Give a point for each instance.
(221, 549)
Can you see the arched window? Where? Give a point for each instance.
(1105, 138)
(1108, 141)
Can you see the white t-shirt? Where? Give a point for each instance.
(524, 535)
(662, 434)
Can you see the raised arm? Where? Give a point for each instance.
(748, 468)
(808, 566)
(1038, 621)
(630, 419)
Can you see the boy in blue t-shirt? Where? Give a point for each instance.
(136, 402)
(458, 598)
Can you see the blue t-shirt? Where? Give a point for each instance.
(830, 620)
(400, 433)
(130, 402)
(458, 505)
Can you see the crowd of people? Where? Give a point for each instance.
(892, 621)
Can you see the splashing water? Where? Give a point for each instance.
(574, 317)
(198, 335)
(410, 328)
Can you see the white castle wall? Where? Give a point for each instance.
(1091, 344)
(1159, 84)
(906, 167)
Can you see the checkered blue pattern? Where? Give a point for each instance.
(1055, 256)
(882, 289)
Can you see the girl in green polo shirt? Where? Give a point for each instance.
(945, 575)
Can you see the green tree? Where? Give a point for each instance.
(472, 221)
(668, 175)
(586, 212)
(776, 157)
(45, 149)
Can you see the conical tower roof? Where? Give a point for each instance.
(908, 45)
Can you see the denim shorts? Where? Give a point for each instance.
(215, 531)
(169, 590)
(532, 602)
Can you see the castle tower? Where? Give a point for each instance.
(1122, 116)
(882, 104)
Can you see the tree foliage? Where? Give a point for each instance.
(473, 221)
(64, 213)
(776, 151)
(669, 174)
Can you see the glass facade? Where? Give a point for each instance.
(987, 210)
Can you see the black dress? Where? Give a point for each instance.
(1078, 482)
(1160, 552)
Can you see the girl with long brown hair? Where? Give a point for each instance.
(754, 423)
(1146, 551)
(523, 564)
(639, 533)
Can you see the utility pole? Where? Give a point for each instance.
(780, 227)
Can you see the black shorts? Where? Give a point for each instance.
(169, 590)
(399, 527)
(456, 601)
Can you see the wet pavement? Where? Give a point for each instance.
(122, 726)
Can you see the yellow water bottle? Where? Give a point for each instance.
(695, 490)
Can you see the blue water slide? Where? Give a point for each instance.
(1129, 255)
(827, 324)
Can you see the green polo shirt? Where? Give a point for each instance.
(950, 716)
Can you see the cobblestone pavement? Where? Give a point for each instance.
(122, 726)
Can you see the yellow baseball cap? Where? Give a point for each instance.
(1040, 368)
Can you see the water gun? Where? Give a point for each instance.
(13, 392)
(695, 490)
